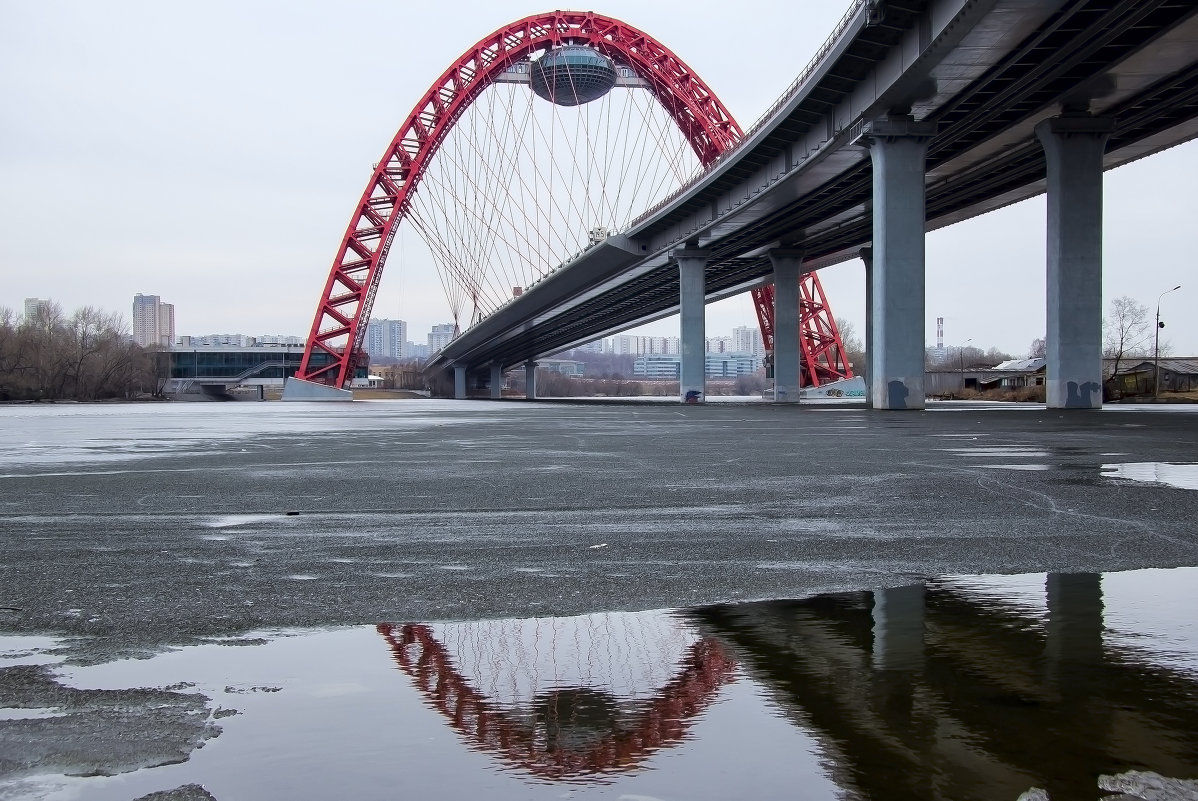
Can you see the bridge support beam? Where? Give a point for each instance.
(692, 283)
(787, 263)
(1073, 148)
(898, 147)
(459, 383)
(496, 382)
(530, 380)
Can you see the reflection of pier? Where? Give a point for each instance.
(563, 732)
(937, 693)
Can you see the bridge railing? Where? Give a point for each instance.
(849, 15)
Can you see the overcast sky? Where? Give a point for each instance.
(212, 153)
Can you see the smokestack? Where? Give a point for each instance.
(940, 333)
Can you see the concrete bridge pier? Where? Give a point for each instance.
(1073, 148)
(787, 263)
(898, 148)
(692, 295)
(898, 617)
(530, 380)
(867, 258)
(496, 381)
(459, 382)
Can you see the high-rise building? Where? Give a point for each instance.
(719, 344)
(387, 338)
(34, 308)
(153, 321)
(625, 344)
(747, 339)
(440, 336)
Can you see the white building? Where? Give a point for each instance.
(279, 340)
(219, 340)
(716, 365)
(153, 321)
(439, 337)
(628, 345)
(387, 338)
(34, 307)
(747, 339)
(718, 344)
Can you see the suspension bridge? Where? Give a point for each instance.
(573, 177)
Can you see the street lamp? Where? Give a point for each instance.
(961, 363)
(1156, 346)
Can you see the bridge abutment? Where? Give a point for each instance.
(1073, 148)
(787, 263)
(692, 291)
(898, 148)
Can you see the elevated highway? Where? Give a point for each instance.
(965, 83)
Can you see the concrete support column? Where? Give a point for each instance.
(1073, 148)
(459, 383)
(898, 615)
(496, 381)
(867, 258)
(786, 263)
(692, 298)
(897, 146)
(530, 380)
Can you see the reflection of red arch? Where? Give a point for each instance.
(705, 669)
(353, 280)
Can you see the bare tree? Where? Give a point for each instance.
(86, 356)
(1127, 332)
(1038, 350)
(854, 351)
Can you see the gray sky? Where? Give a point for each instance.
(212, 153)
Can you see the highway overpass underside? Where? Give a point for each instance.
(918, 114)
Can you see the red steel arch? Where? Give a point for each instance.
(345, 305)
(353, 280)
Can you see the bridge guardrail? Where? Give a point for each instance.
(854, 9)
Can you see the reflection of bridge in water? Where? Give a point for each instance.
(924, 692)
(936, 693)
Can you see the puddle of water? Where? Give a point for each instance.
(228, 521)
(1032, 467)
(998, 450)
(1184, 476)
(963, 687)
(37, 713)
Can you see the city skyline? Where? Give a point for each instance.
(248, 246)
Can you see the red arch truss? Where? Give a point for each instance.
(344, 309)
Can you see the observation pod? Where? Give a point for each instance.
(572, 75)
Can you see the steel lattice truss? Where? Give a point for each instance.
(339, 327)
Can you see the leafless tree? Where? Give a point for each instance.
(1127, 332)
(86, 356)
(854, 351)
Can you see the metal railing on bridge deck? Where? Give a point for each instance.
(791, 91)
